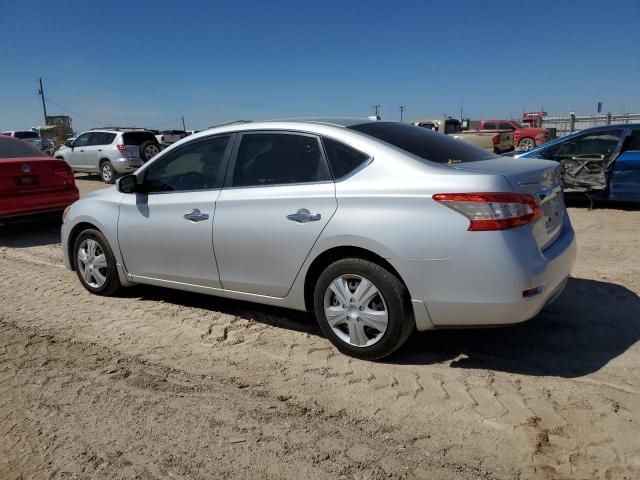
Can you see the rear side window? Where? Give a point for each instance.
(26, 134)
(342, 159)
(490, 126)
(278, 158)
(424, 143)
(19, 149)
(505, 126)
(137, 138)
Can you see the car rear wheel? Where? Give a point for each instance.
(94, 263)
(107, 172)
(363, 309)
(148, 150)
(526, 144)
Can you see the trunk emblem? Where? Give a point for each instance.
(26, 168)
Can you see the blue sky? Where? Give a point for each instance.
(147, 63)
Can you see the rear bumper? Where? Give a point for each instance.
(24, 206)
(482, 284)
(126, 164)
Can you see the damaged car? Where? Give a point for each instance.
(603, 162)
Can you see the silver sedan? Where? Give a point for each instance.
(378, 227)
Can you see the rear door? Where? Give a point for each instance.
(624, 183)
(277, 199)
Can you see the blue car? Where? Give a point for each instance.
(602, 161)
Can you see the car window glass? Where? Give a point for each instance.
(195, 166)
(490, 126)
(13, 148)
(82, 140)
(505, 126)
(108, 138)
(597, 144)
(633, 141)
(342, 159)
(424, 143)
(96, 138)
(278, 158)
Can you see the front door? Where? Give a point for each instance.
(277, 200)
(165, 231)
(77, 156)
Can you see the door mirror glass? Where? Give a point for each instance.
(68, 143)
(127, 184)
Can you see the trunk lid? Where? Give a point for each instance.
(538, 177)
(24, 176)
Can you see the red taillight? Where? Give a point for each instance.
(64, 171)
(496, 140)
(122, 148)
(493, 211)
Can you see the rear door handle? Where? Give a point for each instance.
(196, 215)
(303, 216)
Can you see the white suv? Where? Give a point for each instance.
(109, 151)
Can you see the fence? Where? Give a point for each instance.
(565, 124)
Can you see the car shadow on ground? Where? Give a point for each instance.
(581, 200)
(590, 324)
(265, 314)
(32, 233)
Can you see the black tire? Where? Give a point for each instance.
(107, 173)
(401, 322)
(143, 147)
(112, 282)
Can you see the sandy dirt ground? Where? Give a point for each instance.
(155, 383)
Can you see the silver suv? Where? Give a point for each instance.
(109, 151)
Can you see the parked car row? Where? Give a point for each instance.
(109, 151)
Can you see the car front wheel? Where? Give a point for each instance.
(95, 263)
(363, 309)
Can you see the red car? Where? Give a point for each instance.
(524, 138)
(31, 182)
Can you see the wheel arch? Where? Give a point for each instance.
(331, 255)
(73, 235)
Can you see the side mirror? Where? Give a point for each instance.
(127, 184)
(68, 143)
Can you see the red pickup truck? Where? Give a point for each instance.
(524, 138)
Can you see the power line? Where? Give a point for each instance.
(74, 113)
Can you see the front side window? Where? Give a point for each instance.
(82, 140)
(596, 144)
(278, 158)
(195, 166)
(342, 158)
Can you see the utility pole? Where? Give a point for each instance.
(402, 109)
(44, 106)
(460, 113)
(376, 109)
(183, 127)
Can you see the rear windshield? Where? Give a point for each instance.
(137, 138)
(426, 144)
(19, 149)
(26, 134)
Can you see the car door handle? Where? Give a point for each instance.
(196, 215)
(303, 216)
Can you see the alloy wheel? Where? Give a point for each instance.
(106, 172)
(355, 310)
(526, 144)
(92, 263)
